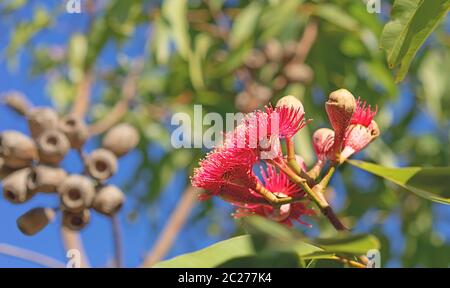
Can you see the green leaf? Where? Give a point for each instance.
(349, 244)
(429, 183)
(202, 44)
(245, 24)
(213, 255)
(412, 21)
(175, 11)
(337, 16)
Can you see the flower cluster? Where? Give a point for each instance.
(284, 188)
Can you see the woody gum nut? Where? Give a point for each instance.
(77, 193)
(15, 188)
(41, 119)
(108, 200)
(16, 101)
(121, 139)
(273, 50)
(76, 221)
(101, 164)
(4, 170)
(35, 220)
(75, 129)
(291, 101)
(52, 146)
(298, 72)
(46, 178)
(17, 149)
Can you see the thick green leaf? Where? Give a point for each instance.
(430, 183)
(349, 244)
(213, 255)
(337, 16)
(245, 24)
(411, 24)
(175, 11)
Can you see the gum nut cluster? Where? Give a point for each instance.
(31, 165)
(229, 170)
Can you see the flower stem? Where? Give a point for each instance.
(292, 161)
(273, 199)
(316, 197)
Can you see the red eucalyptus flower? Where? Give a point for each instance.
(361, 131)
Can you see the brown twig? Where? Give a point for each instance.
(83, 93)
(117, 241)
(31, 256)
(176, 221)
(306, 42)
(120, 109)
(71, 241)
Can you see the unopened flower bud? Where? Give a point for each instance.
(108, 200)
(46, 178)
(75, 129)
(77, 193)
(15, 188)
(17, 149)
(101, 164)
(76, 221)
(291, 101)
(340, 107)
(323, 139)
(41, 119)
(35, 220)
(17, 101)
(121, 139)
(52, 146)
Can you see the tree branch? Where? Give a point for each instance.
(117, 236)
(31, 256)
(83, 95)
(176, 221)
(72, 240)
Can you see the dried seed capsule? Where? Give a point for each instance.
(15, 188)
(255, 59)
(4, 170)
(101, 164)
(35, 220)
(46, 178)
(52, 146)
(108, 200)
(75, 130)
(17, 101)
(76, 220)
(17, 149)
(246, 102)
(273, 50)
(298, 72)
(41, 119)
(121, 139)
(77, 193)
